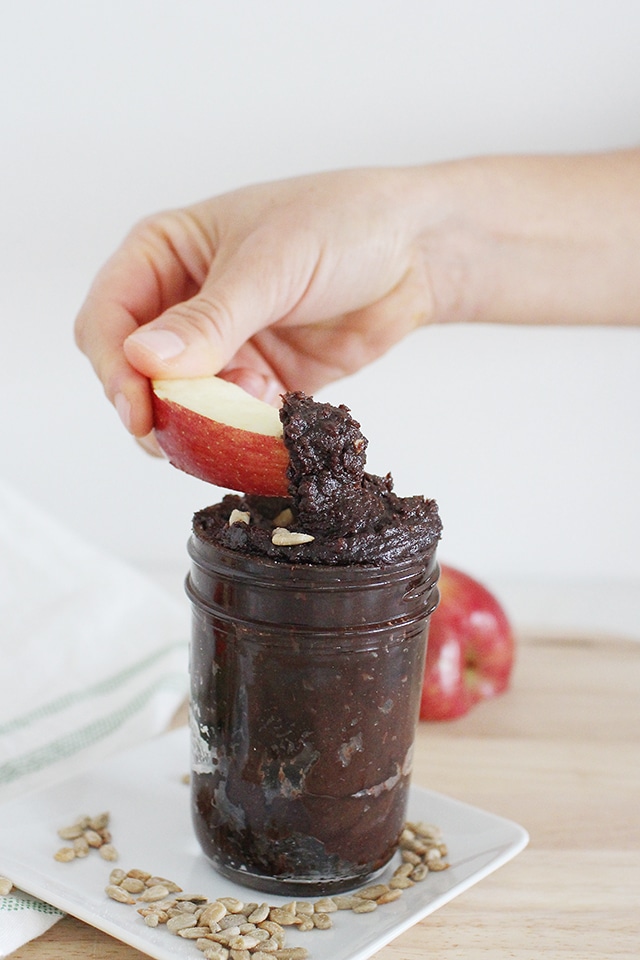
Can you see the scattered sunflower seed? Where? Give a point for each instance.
(229, 929)
(325, 905)
(365, 906)
(131, 884)
(286, 918)
(108, 852)
(345, 902)
(93, 838)
(437, 865)
(400, 883)
(180, 921)
(260, 913)
(157, 892)
(389, 897)
(70, 833)
(232, 904)
(117, 893)
(81, 847)
(64, 855)
(6, 886)
(372, 892)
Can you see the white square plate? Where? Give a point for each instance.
(150, 819)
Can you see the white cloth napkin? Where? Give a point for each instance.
(93, 659)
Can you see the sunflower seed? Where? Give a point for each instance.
(281, 537)
(389, 897)
(260, 913)
(408, 856)
(108, 852)
(64, 855)
(180, 921)
(232, 904)
(239, 955)
(239, 516)
(131, 884)
(274, 929)
(99, 822)
(81, 847)
(365, 906)
(284, 917)
(372, 892)
(213, 913)
(400, 883)
(231, 920)
(243, 942)
(271, 946)
(283, 519)
(70, 833)
(155, 881)
(117, 893)
(191, 933)
(93, 838)
(325, 905)
(157, 892)
(6, 886)
(213, 951)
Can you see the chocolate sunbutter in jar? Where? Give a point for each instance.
(307, 663)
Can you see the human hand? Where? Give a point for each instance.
(281, 286)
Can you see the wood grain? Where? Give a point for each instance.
(559, 753)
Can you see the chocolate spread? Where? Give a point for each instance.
(354, 517)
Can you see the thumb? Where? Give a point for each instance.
(258, 285)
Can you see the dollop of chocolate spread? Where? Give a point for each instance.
(353, 516)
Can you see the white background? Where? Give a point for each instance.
(528, 438)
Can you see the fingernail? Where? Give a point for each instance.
(164, 344)
(123, 407)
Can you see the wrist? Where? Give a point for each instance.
(532, 239)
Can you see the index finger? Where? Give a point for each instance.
(144, 276)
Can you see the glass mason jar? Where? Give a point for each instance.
(305, 694)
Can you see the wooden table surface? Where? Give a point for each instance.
(560, 754)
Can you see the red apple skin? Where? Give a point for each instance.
(471, 648)
(226, 456)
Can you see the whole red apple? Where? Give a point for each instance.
(471, 648)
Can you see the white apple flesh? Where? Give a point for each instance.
(214, 430)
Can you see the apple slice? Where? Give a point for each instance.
(214, 430)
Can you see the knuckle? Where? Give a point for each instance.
(204, 317)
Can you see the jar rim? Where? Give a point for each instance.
(324, 576)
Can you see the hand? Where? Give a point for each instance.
(293, 284)
(280, 286)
